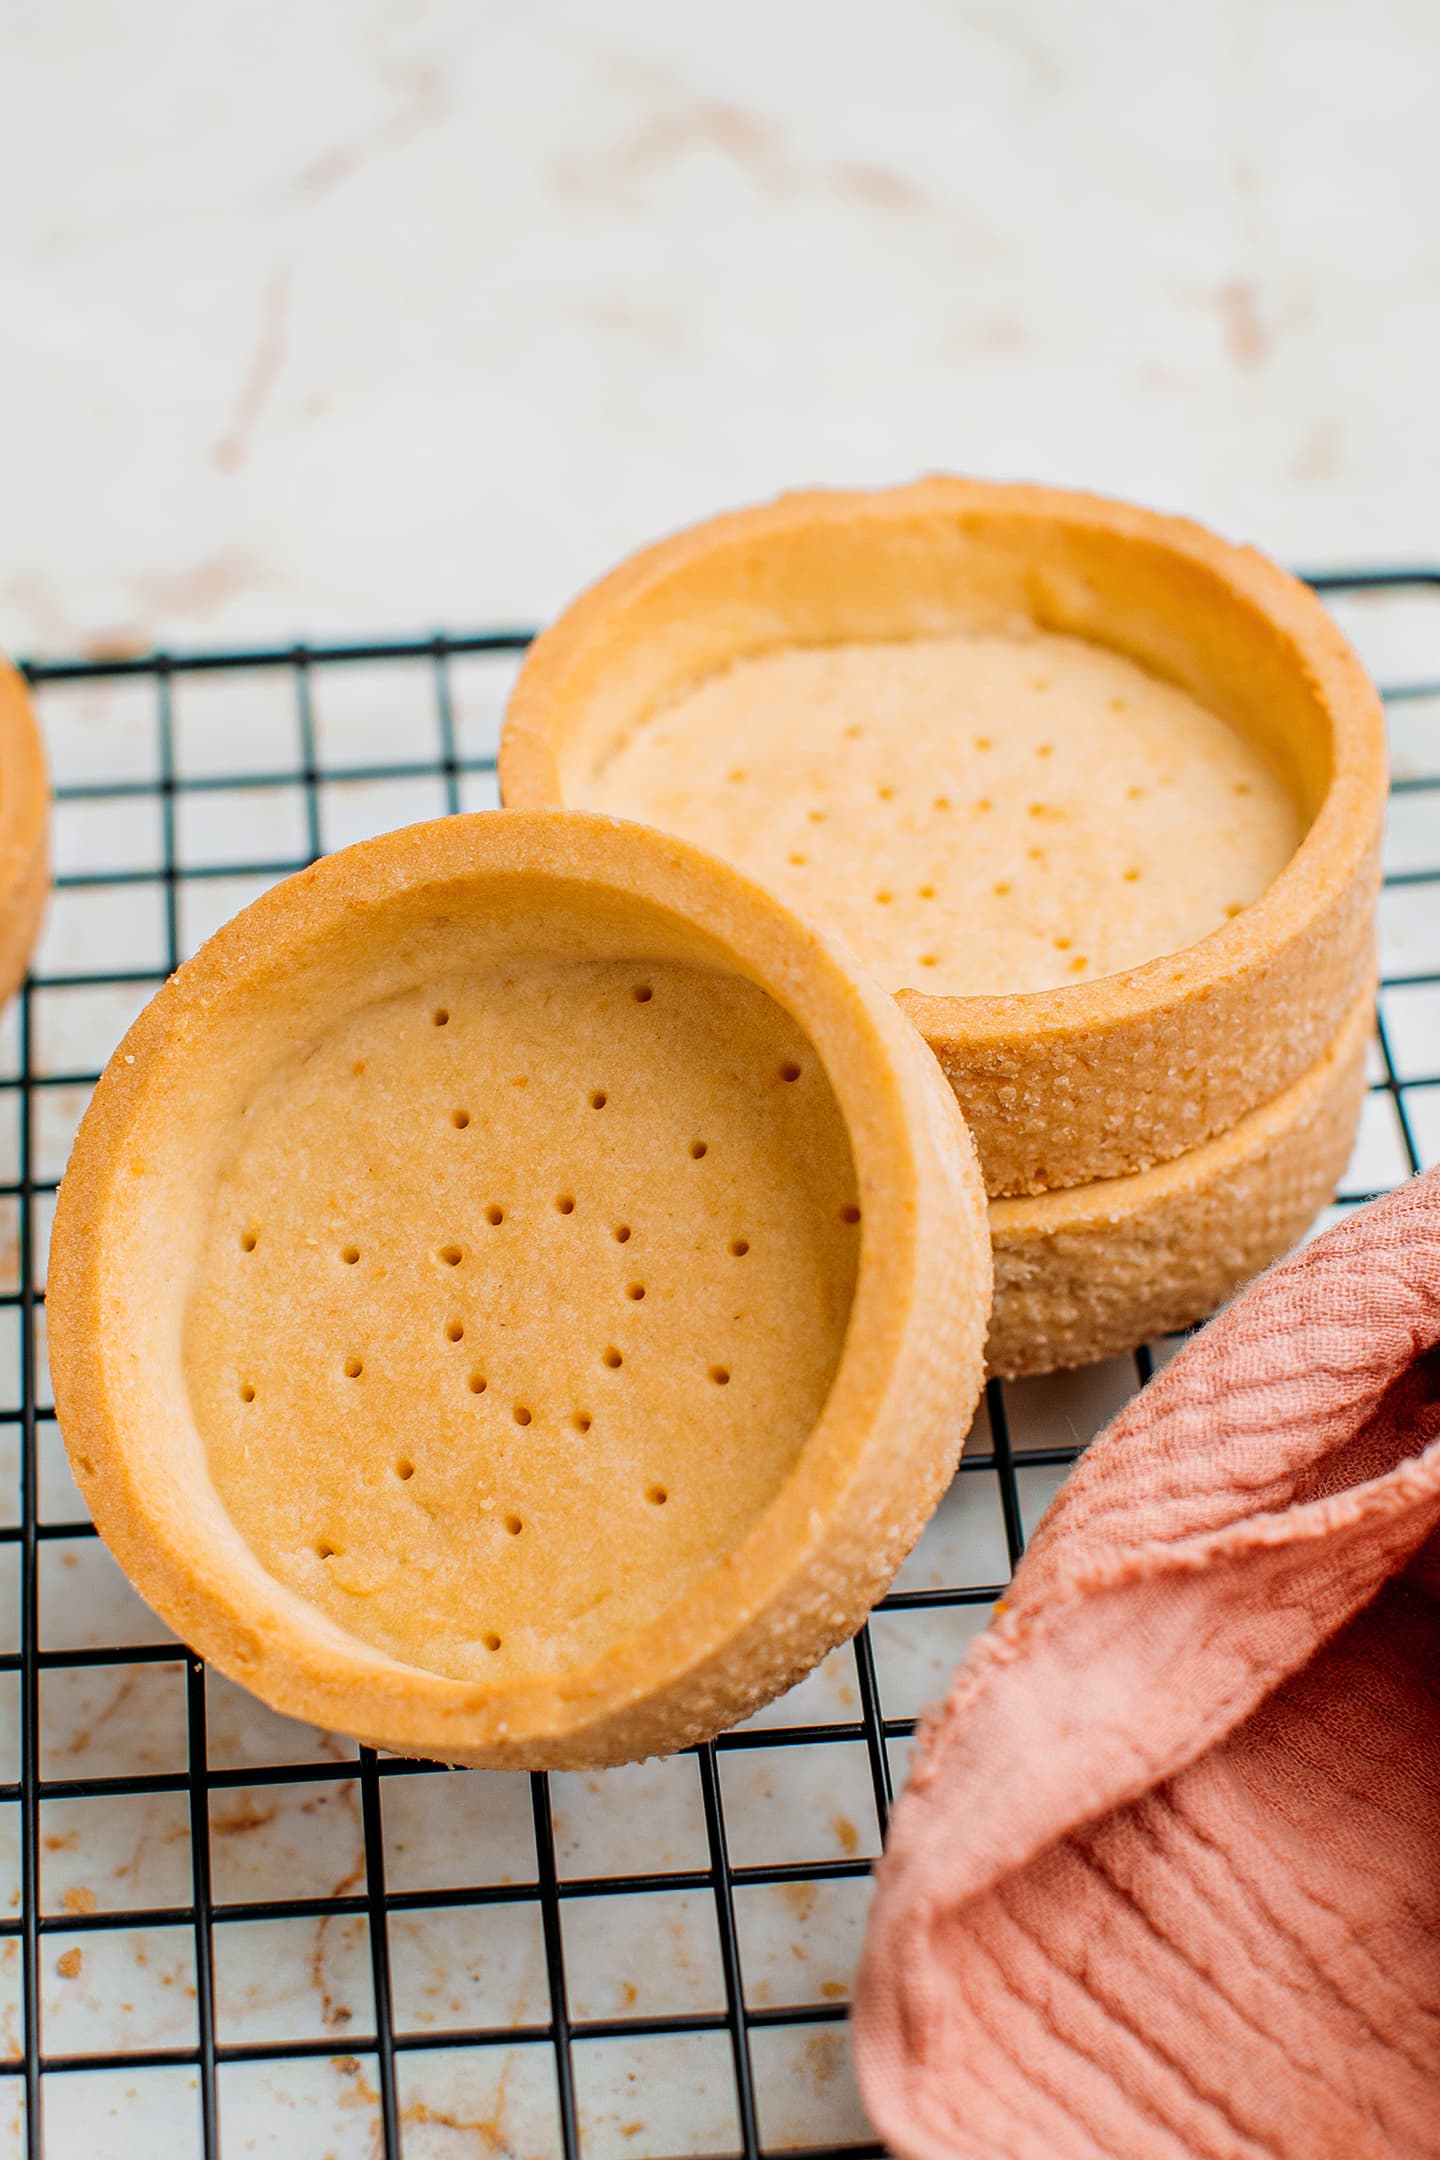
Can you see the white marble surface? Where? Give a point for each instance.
(340, 315)
(335, 318)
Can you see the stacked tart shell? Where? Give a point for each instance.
(1199, 1105)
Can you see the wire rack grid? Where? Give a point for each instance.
(245, 1936)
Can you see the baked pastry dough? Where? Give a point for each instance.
(1098, 1268)
(24, 830)
(1099, 795)
(517, 1295)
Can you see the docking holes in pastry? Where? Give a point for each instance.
(969, 713)
(458, 1345)
(490, 1639)
(440, 1016)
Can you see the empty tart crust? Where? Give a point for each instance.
(823, 634)
(1085, 1273)
(24, 830)
(516, 1296)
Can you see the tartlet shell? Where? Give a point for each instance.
(1098, 1079)
(24, 830)
(808, 1569)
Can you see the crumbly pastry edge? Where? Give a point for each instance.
(807, 1571)
(1101, 1079)
(1099, 1269)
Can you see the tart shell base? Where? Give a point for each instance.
(1096, 1270)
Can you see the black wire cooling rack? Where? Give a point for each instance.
(238, 1935)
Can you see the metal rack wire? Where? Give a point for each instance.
(732, 2079)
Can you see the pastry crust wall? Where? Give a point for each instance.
(1083, 1274)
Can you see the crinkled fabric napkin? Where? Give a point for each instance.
(1165, 1884)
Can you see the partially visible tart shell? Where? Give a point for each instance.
(1083, 1274)
(145, 1191)
(24, 830)
(1100, 1079)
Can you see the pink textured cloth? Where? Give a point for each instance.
(1165, 1884)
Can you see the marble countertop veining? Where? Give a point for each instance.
(341, 315)
(352, 316)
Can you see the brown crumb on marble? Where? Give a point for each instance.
(801, 1895)
(824, 2052)
(244, 1818)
